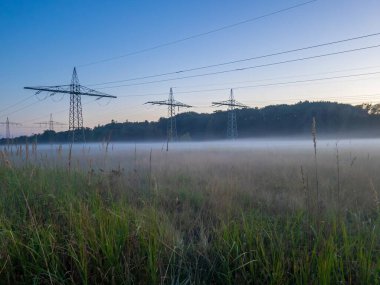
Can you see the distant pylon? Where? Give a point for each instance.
(172, 104)
(51, 123)
(7, 124)
(172, 124)
(7, 130)
(76, 91)
(232, 131)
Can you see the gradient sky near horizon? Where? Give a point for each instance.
(41, 42)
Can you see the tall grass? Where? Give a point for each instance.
(245, 222)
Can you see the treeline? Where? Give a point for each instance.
(333, 119)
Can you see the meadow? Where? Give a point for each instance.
(244, 212)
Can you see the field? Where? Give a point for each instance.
(205, 213)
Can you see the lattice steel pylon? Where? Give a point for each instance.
(232, 104)
(7, 130)
(172, 104)
(7, 124)
(76, 92)
(75, 116)
(51, 123)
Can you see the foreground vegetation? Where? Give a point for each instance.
(250, 221)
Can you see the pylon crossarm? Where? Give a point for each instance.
(222, 103)
(91, 92)
(239, 105)
(11, 124)
(51, 90)
(174, 104)
(47, 123)
(179, 104)
(157, 102)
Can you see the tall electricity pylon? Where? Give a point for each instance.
(76, 92)
(172, 104)
(50, 123)
(232, 132)
(7, 124)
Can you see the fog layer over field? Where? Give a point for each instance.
(126, 155)
(277, 172)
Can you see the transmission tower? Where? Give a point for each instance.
(172, 104)
(232, 104)
(7, 130)
(7, 124)
(76, 92)
(50, 124)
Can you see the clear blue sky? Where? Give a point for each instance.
(41, 42)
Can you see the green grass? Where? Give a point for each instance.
(61, 227)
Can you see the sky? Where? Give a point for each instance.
(108, 41)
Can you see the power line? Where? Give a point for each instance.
(20, 109)
(249, 81)
(239, 60)
(17, 103)
(277, 78)
(246, 68)
(357, 96)
(263, 85)
(283, 83)
(198, 35)
(308, 80)
(272, 84)
(57, 112)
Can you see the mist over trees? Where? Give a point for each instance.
(333, 119)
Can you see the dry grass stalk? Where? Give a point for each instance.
(34, 224)
(135, 160)
(34, 147)
(338, 177)
(314, 135)
(70, 156)
(305, 190)
(108, 141)
(60, 149)
(26, 151)
(150, 169)
(305, 185)
(375, 195)
(2, 156)
(5, 160)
